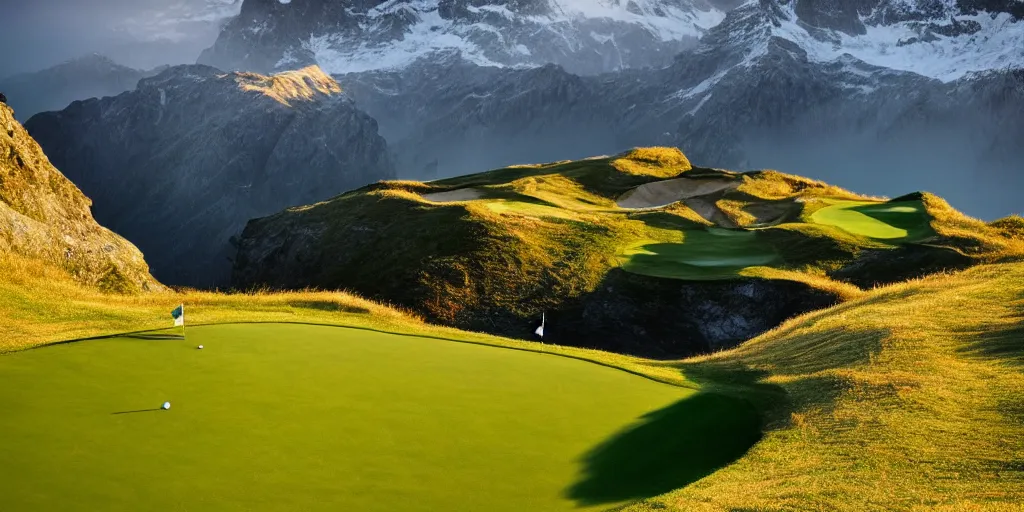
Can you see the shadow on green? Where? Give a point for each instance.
(670, 448)
(910, 216)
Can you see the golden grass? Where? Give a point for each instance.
(908, 398)
(661, 162)
(40, 304)
(735, 211)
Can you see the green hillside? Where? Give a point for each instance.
(641, 242)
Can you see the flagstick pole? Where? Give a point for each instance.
(182, 321)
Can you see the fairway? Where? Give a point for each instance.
(711, 253)
(301, 417)
(896, 221)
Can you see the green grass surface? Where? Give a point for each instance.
(711, 253)
(897, 221)
(298, 417)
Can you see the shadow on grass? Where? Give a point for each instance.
(135, 411)
(326, 305)
(670, 448)
(1002, 338)
(153, 336)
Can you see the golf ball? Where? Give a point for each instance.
(167, 405)
(200, 347)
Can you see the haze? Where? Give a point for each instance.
(137, 33)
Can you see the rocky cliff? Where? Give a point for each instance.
(44, 216)
(179, 164)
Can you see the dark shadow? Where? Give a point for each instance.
(153, 336)
(666, 220)
(671, 448)
(1002, 338)
(916, 224)
(326, 305)
(135, 411)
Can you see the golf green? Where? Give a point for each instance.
(301, 417)
(711, 253)
(894, 221)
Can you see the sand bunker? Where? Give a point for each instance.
(462, 194)
(666, 192)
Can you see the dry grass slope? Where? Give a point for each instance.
(908, 398)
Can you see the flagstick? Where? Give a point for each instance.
(182, 321)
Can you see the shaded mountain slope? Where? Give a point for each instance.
(681, 269)
(180, 163)
(46, 218)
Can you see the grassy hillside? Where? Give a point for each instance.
(908, 398)
(904, 398)
(634, 240)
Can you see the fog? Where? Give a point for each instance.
(37, 34)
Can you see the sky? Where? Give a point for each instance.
(37, 34)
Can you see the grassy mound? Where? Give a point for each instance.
(493, 251)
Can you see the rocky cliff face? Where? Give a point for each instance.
(54, 88)
(44, 216)
(182, 162)
(584, 36)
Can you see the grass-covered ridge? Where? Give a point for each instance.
(494, 250)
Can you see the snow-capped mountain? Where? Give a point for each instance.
(773, 85)
(943, 39)
(584, 36)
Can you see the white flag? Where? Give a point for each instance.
(540, 330)
(179, 315)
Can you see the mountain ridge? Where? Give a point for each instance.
(181, 162)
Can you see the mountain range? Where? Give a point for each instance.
(179, 164)
(851, 92)
(883, 97)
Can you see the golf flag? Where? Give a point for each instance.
(179, 315)
(540, 330)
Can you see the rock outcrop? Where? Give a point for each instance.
(179, 164)
(44, 216)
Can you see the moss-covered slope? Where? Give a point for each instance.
(640, 253)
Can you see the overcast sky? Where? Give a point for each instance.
(36, 34)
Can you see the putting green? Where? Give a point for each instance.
(900, 221)
(711, 253)
(299, 417)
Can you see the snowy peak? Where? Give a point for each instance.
(584, 36)
(940, 39)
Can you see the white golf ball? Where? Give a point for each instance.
(200, 347)
(167, 405)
